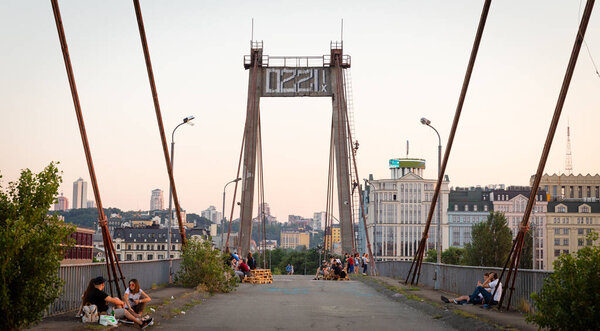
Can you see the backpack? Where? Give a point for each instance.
(90, 314)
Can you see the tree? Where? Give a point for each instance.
(570, 297)
(491, 242)
(452, 255)
(32, 243)
(203, 265)
(527, 252)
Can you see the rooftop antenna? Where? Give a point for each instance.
(342, 32)
(252, 36)
(407, 148)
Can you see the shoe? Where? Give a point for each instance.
(147, 323)
(445, 299)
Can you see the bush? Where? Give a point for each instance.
(570, 297)
(203, 265)
(32, 245)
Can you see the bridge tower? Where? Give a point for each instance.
(304, 76)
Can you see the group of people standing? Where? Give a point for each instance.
(337, 268)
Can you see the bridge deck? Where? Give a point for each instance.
(299, 303)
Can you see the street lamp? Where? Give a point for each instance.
(427, 122)
(186, 120)
(223, 219)
(374, 218)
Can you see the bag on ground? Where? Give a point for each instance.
(90, 314)
(108, 320)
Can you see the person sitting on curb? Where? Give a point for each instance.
(486, 295)
(136, 299)
(242, 270)
(108, 305)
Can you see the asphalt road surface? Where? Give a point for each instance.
(300, 303)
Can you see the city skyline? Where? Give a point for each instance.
(505, 119)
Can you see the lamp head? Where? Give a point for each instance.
(188, 119)
(425, 121)
(237, 179)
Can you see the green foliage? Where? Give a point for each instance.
(85, 217)
(431, 255)
(203, 265)
(527, 253)
(491, 242)
(570, 297)
(452, 255)
(199, 221)
(300, 259)
(32, 245)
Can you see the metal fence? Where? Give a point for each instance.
(463, 279)
(77, 277)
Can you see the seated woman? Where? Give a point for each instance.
(135, 298)
(107, 304)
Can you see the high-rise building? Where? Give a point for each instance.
(292, 239)
(212, 214)
(398, 209)
(62, 203)
(79, 194)
(318, 220)
(156, 200)
(90, 204)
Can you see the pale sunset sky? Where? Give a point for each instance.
(408, 62)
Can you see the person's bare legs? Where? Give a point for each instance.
(132, 318)
(462, 298)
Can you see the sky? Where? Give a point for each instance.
(408, 61)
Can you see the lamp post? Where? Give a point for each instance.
(427, 122)
(186, 120)
(223, 219)
(374, 218)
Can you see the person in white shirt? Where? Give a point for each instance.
(483, 292)
(135, 298)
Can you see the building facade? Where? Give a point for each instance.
(151, 243)
(466, 206)
(569, 223)
(293, 239)
(569, 187)
(62, 203)
(512, 201)
(82, 250)
(157, 200)
(398, 209)
(333, 240)
(79, 194)
(318, 220)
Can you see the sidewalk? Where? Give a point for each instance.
(509, 320)
(164, 306)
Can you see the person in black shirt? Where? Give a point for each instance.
(107, 304)
(251, 261)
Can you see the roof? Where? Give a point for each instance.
(477, 197)
(153, 234)
(573, 206)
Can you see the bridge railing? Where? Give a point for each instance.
(463, 279)
(77, 277)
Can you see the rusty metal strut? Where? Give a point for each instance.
(112, 263)
(518, 243)
(161, 129)
(415, 267)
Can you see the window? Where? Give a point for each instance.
(561, 209)
(566, 242)
(474, 207)
(119, 257)
(485, 208)
(455, 207)
(556, 230)
(118, 246)
(579, 242)
(139, 257)
(565, 231)
(580, 232)
(172, 247)
(150, 257)
(466, 207)
(556, 242)
(565, 251)
(585, 209)
(160, 257)
(129, 258)
(556, 252)
(129, 247)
